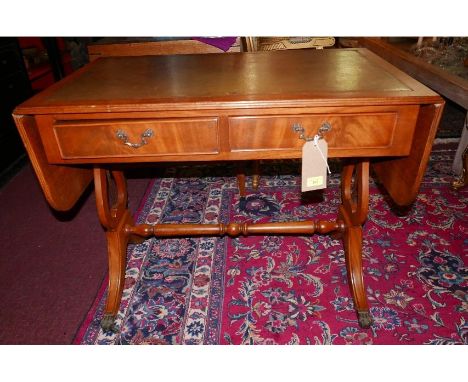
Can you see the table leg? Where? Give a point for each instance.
(241, 181)
(114, 217)
(120, 230)
(353, 212)
(241, 185)
(460, 163)
(462, 179)
(256, 174)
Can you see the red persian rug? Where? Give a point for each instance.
(292, 290)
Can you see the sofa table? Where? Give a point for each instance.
(121, 112)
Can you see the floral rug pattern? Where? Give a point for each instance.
(287, 289)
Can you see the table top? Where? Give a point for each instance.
(236, 80)
(237, 100)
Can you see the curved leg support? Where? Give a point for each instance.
(115, 218)
(117, 241)
(352, 242)
(353, 212)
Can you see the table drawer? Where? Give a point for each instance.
(380, 132)
(136, 138)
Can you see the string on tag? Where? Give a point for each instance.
(316, 139)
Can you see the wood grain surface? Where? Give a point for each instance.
(257, 79)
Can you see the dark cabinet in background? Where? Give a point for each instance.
(14, 88)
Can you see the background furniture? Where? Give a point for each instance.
(47, 60)
(451, 86)
(107, 47)
(442, 81)
(14, 88)
(254, 44)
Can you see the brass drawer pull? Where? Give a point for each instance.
(326, 127)
(124, 137)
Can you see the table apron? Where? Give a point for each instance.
(377, 131)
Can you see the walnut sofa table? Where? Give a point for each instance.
(122, 111)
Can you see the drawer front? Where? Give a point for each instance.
(383, 132)
(136, 138)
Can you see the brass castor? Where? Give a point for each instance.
(461, 181)
(365, 319)
(255, 182)
(107, 323)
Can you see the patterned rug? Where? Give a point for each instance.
(286, 289)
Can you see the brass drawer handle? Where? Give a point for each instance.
(124, 137)
(326, 127)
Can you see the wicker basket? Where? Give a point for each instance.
(283, 43)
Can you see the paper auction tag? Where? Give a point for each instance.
(314, 165)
